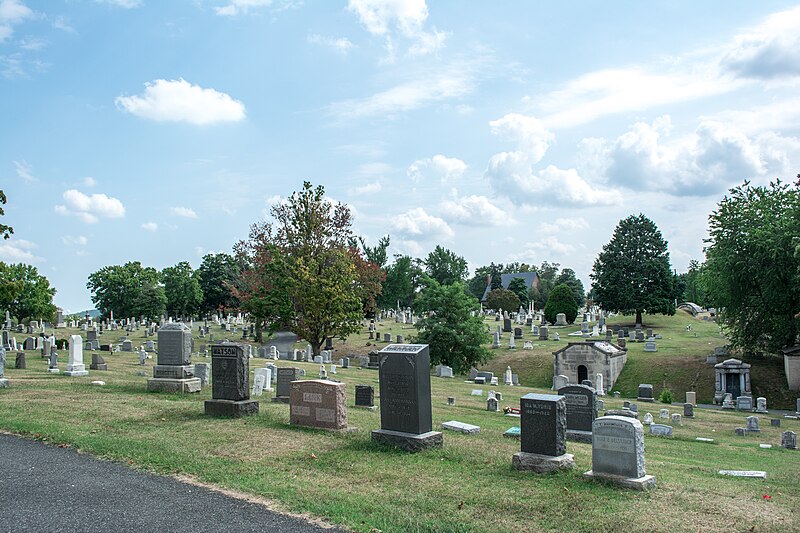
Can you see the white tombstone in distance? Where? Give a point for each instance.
(598, 384)
(507, 380)
(75, 366)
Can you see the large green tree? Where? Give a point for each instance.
(5, 231)
(445, 266)
(567, 277)
(456, 338)
(752, 268)
(182, 290)
(401, 284)
(561, 300)
(547, 274)
(218, 274)
(118, 288)
(691, 287)
(304, 274)
(502, 299)
(632, 274)
(151, 302)
(519, 287)
(26, 294)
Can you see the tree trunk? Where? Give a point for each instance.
(638, 317)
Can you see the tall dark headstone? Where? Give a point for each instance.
(543, 445)
(581, 411)
(507, 325)
(174, 371)
(365, 396)
(285, 376)
(20, 361)
(230, 382)
(405, 394)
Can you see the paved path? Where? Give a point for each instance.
(46, 488)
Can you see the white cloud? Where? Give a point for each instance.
(445, 168)
(475, 211)
(236, 7)
(341, 45)
(564, 224)
(12, 13)
(32, 44)
(150, 226)
(88, 181)
(80, 240)
(418, 224)
(548, 244)
(180, 101)
(90, 208)
(185, 212)
(404, 18)
(124, 4)
(24, 171)
(452, 81)
(708, 161)
(768, 51)
(18, 251)
(369, 188)
(528, 132)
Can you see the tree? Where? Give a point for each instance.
(502, 299)
(752, 268)
(303, 274)
(632, 273)
(182, 290)
(374, 254)
(25, 293)
(456, 338)
(5, 231)
(562, 300)
(568, 277)
(520, 288)
(151, 302)
(445, 266)
(217, 275)
(690, 285)
(547, 273)
(118, 288)
(401, 284)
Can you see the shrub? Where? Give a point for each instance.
(666, 396)
(561, 300)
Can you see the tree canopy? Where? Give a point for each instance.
(182, 290)
(752, 268)
(519, 287)
(5, 231)
(303, 273)
(445, 266)
(403, 280)
(118, 288)
(561, 300)
(455, 337)
(632, 273)
(502, 299)
(25, 293)
(217, 275)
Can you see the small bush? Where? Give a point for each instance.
(666, 396)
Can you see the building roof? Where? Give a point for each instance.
(601, 346)
(531, 280)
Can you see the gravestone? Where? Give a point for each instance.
(461, 427)
(660, 430)
(202, 371)
(648, 419)
(543, 335)
(691, 397)
(507, 325)
(561, 319)
(75, 366)
(492, 404)
(444, 371)
(581, 412)
(261, 381)
(365, 397)
(517, 333)
(405, 390)
(761, 404)
(727, 401)
(98, 363)
(318, 404)
(543, 423)
(230, 382)
(676, 419)
(650, 345)
(173, 371)
(646, 393)
(20, 362)
(688, 410)
(744, 403)
(751, 424)
(3, 380)
(127, 344)
(285, 376)
(560, 381)
(618, 453)
(775, 422)
(663, 413)
(789, 440)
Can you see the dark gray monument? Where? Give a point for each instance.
(174, 371)
(581, 411)
(646, 393)
(285, 376)
(230, 382)
(405, 392)
(20, 361)
(507, 325)
(98, 363)
(543, 444)
(618, 453)
(365, 397)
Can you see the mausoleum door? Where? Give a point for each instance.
(582, 373)
(733, 385)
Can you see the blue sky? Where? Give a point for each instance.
(159, 131)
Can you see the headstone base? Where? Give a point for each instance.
(280, 399)
(542, 464)
(76, 373)
(641, 483)
(410, 442)
(648, 400)
(54, 370)
(577, 435)
(173, 371)
(366, 407)
(173, 385)
(3, 383)
(231, 408)
(102, 366)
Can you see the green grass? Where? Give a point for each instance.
(468, 485)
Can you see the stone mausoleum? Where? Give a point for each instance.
(732, 376)
(583, 360)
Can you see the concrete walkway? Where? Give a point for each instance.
(46, 488)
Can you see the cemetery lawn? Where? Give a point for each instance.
(468, 485)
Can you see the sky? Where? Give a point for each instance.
(158, 131)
